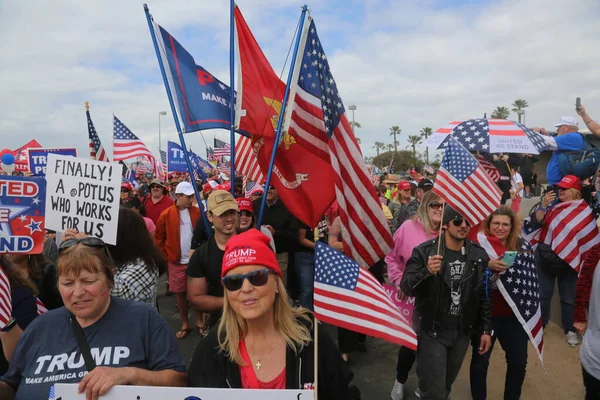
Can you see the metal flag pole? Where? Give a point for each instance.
(281, 114)
(232, 93)
(176, 119)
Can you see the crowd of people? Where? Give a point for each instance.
(251, 290)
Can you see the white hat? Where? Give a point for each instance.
(184, 188)
(568, 121)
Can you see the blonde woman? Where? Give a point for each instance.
(261, 341)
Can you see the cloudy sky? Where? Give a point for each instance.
(407, 63)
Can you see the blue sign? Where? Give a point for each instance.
(175, 158)
(38, 158)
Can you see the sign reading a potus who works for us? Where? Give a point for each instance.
(83, 195)
(69, 392)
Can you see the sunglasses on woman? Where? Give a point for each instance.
(245, 213)
(458, 221)
(88, 241)
(435, 206)
(256, 278)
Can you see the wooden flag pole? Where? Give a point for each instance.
(316, 333)
(440, 232)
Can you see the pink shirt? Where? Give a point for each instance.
(407, 237)
(149, 225)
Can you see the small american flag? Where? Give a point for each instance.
(348, 296)
(41, 308)
(5, 299)
(519, 286)
(163, 157)
(246, 161)
(222, 149)
(126, 145)
(569, 228)
(253, 187)
(319, 124)
(464, 184)
(484, 159)
(96, 150)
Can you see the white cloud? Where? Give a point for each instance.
(407, 63)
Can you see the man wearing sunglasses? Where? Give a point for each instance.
(451, 302)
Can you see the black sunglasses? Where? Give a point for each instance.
(123, 190)
(235, 282)
(155, 186)
(435, 206)
(271, 187)
(458, 221)
(245, 213)
(88, 241)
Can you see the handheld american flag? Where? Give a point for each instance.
(5, 299)
(349, 296)
(465, 185)
(569, 228)
(519, 286)
(126, 145)
(485, 160)
(318, 122)
(96, 150)
(222, 149)
(245, 160)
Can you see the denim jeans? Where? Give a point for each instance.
(438, 362)
(567, 283)
(514, 340)
(305, 270)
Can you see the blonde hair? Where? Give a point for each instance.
(422, 215)
(289, 321)
(576, 194)
(80, 257)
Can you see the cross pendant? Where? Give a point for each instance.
(258, 365)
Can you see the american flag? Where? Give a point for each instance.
(41, 308)
(163, 157)
(245, 160)
(210, 154)
(5, 299)
(126, 145)
(484, 159)
(318, 122)
(569, 229)
(222, 149)
(464, 184)
(143, 167)
(349, 296)
(519, 286)
(253, 187)
(96, 149)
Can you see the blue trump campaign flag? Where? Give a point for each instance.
(202, 100)
(22, 214)
(196, 165)
(175, 158)
(38, 158)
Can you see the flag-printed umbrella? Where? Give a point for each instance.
(490, 136)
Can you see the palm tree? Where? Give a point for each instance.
(414, 140)
(394, 131)
(390, 147)
(379, 146)
(500, 113)
(355, 124)
(425, 133)
(519, 105)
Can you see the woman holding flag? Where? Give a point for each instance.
(500, 235)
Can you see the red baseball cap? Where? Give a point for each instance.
(249, 248)
(245, 204)
(570, 182)
(404, 185)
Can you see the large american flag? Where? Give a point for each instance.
(569, 228)
(222, 149)
(318, 122)
(5, 299)
(96, 149)
(465, 185)
(519, 286)
(485, 161)
(349, 296)
(126, 145)
(245, 160)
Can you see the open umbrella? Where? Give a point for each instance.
(490, 136)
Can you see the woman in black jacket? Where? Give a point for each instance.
(261, 341)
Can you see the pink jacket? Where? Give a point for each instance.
(407, 237)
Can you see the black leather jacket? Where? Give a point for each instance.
(431, 290)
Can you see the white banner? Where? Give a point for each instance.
(68, 391)
(84, 195)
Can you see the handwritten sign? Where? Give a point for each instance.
(405, 306)
(83, 195)
(38, 158)
(64, 391)
(22, 210)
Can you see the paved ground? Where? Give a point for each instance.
(375, 370)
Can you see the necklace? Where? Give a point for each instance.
(258, 359)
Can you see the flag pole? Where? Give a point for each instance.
(281, 114)
(316, 332)
(232, 93)
(440, 232)
(175, 118)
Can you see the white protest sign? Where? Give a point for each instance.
(68, 391)
(515, 144)
(83, 194)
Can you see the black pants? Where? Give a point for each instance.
(504, 186)
(592, 386)
(348, 340)
(513, 339)
(406, 359)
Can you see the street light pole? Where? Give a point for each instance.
(159, 139)
(352, 108)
